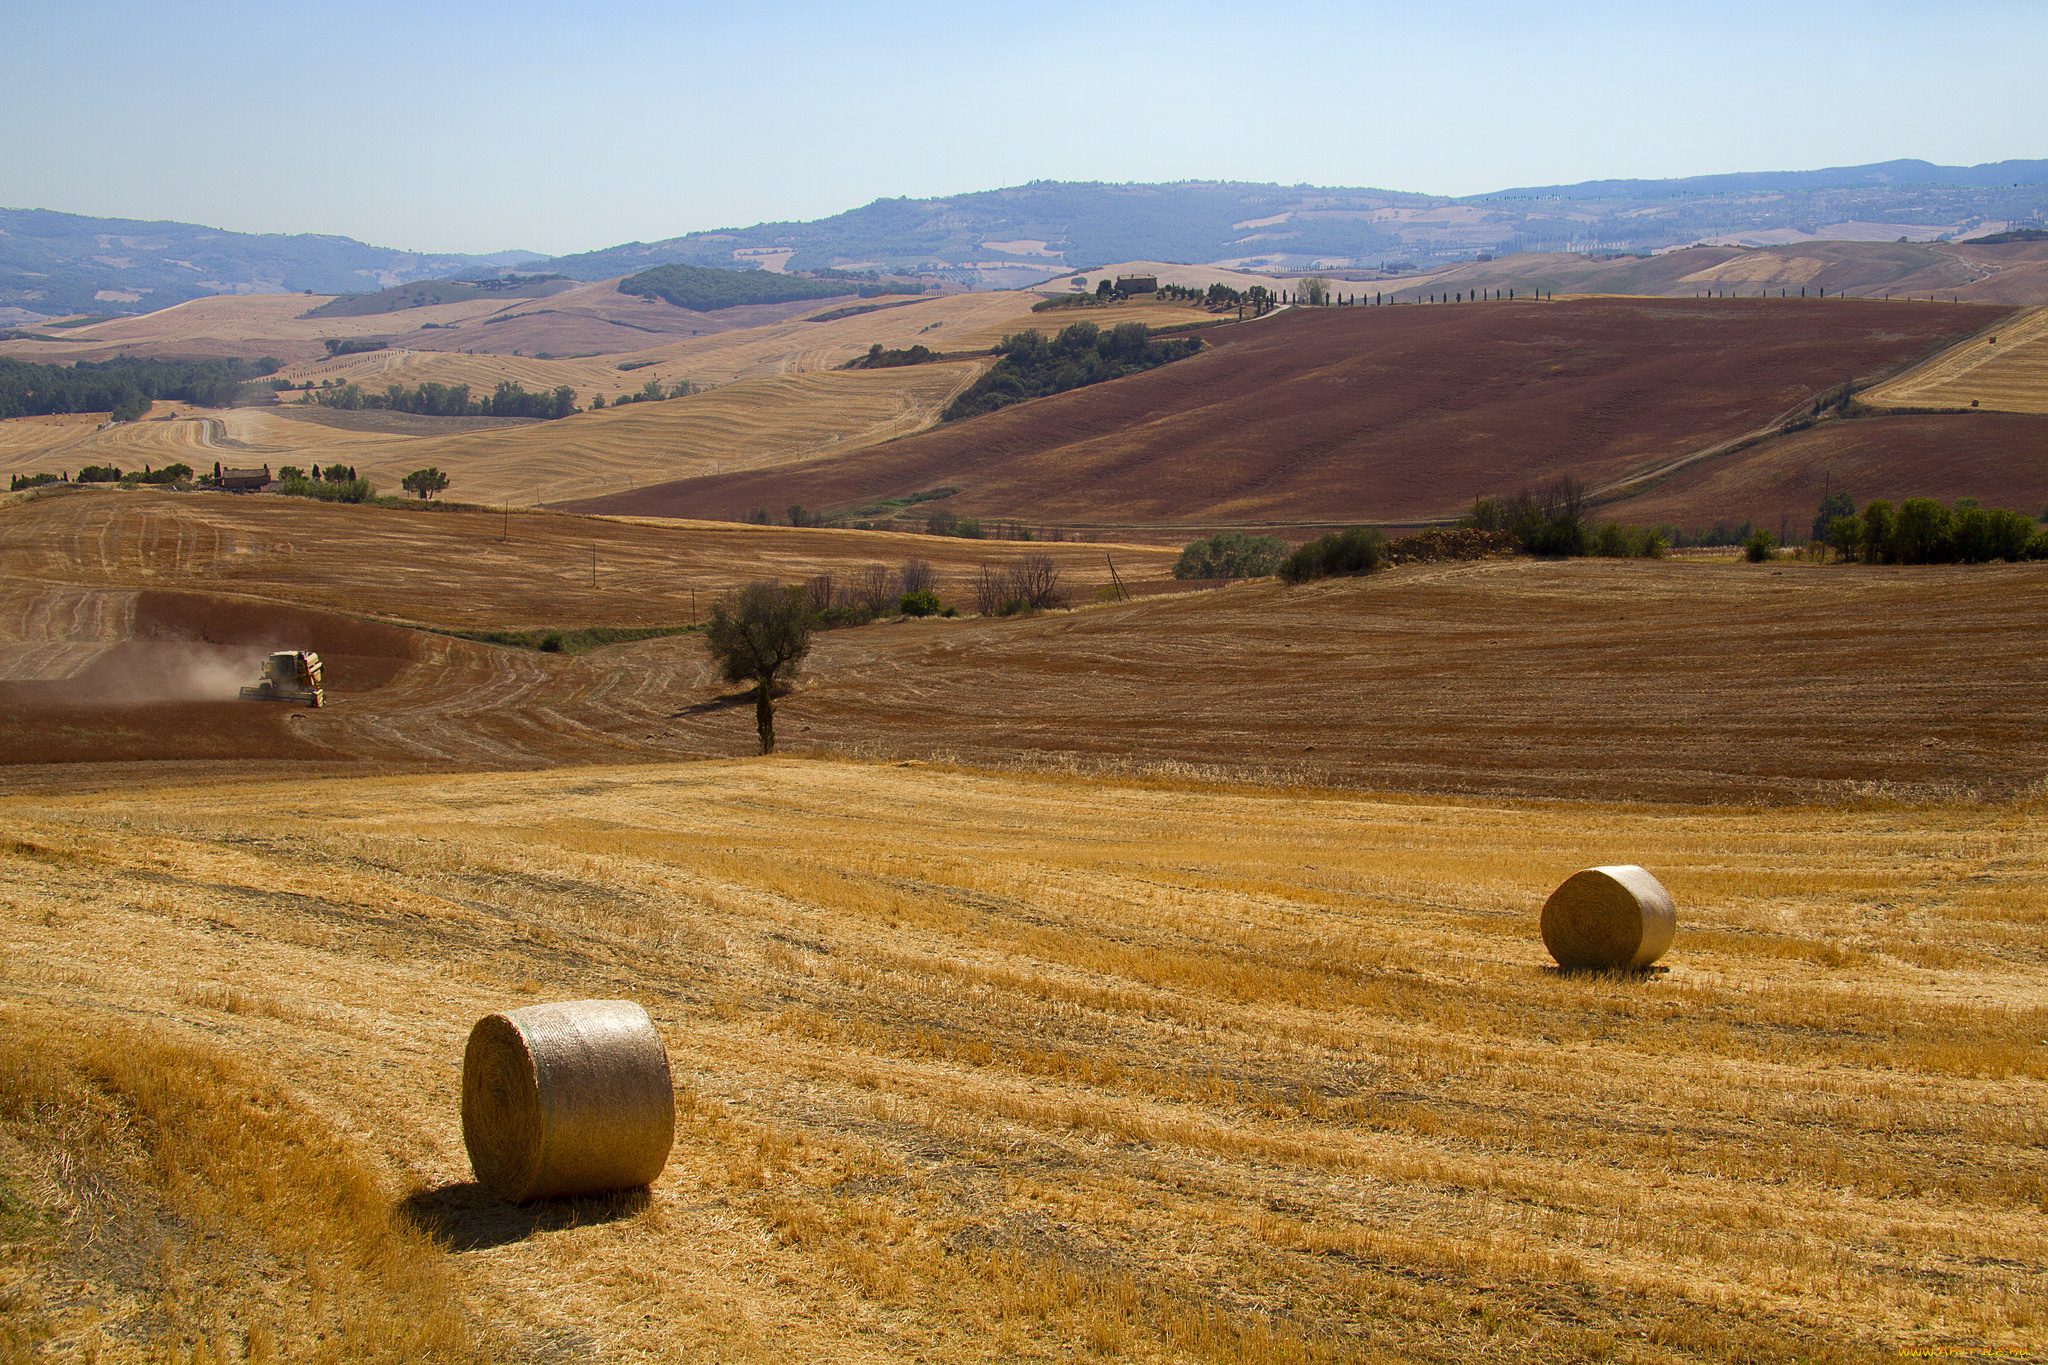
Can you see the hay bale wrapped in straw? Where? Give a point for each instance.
(1610, 918)
(568, 1098)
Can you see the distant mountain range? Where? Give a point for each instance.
(54, 263)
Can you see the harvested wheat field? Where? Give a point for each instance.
(977, 1067)
(749, 425)
(248, 325)
(2005, 370)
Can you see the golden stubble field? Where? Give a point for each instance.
(2005, 370)
(756, 423)
(977, 1067)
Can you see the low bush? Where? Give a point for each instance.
(1232, 554)
(1358, 550)
(1438, 545)
(1029, 584)
(879, 359)
(925, 603)
(1761, 547)
(347, 490)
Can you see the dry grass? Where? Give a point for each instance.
(2005, 372)
(172, 1203)
(1073, 1069)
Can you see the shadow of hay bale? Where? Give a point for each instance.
(1608, 973)
(467, 1216)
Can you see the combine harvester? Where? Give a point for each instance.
(290, 675)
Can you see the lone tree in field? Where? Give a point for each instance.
(759, 634)
(424, 482)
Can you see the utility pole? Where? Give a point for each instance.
(1121, 589)
(593, 563)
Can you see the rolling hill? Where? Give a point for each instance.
(1309, 417)
(768, 393)
(54, 264)
(1025, 233)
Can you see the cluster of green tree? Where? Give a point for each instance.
(338, 484)
(879, 359)
(1231, 554)
(425, 482)
(509, 399)
(170, 476)
(1922, 531)
(123, 387)
(1081, 354)
(706, 291)
(650, 392)
(353, 346)
(1357, 550)
(1557, 520)
(18, 482)
(947, 522)
(1719, 535)
(1063, 302)
(1221, 295)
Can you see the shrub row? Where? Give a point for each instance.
(1922, 531)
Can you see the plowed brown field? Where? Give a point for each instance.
(2000, 459)
(1668, 681)
(1380, 414)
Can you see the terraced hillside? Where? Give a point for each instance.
(1380, 414)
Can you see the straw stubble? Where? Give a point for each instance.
(567, 1098)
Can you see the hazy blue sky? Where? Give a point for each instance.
(448, 127)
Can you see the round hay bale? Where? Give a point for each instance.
(1609, 918)
(568, 1098)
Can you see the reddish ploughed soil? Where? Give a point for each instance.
(1392, 414)
(2000, 459)
(1669, 681)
